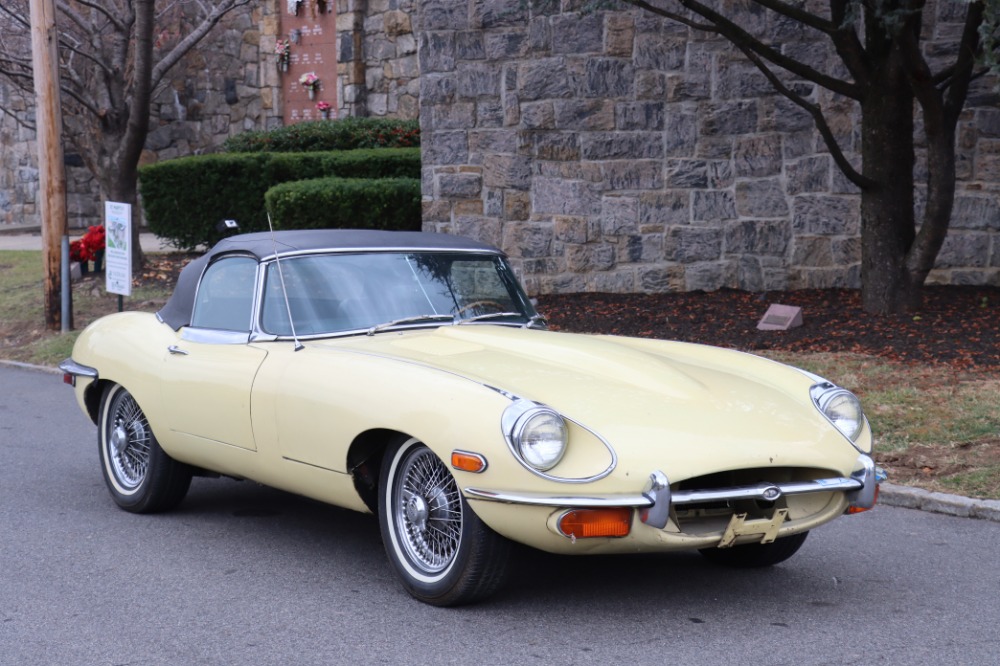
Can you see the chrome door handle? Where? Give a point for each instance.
(174, 349)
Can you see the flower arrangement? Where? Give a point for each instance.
(324, 108)
(89, 248)
(311, 82)
(283, 50)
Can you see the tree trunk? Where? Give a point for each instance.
(887, 207)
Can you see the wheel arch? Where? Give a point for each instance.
(364, 461)
(92, 397)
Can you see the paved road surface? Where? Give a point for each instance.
(244, 575)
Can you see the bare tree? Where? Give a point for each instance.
(883, 66)
(114, 55)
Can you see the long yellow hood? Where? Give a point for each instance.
(658, 395)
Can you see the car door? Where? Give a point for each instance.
(210, 369)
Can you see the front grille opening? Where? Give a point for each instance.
(713, 517)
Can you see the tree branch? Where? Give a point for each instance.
(192, 38)
(741, 38)
(819, 119)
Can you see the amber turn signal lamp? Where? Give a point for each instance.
(468, 461)
(858, 509)
(589, 523)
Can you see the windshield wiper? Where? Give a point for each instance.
(409, 320)
(489, 315)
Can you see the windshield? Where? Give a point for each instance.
(342, 293)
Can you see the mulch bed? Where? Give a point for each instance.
(956, 325)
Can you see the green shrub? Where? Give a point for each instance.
(348, 203)
(184, 199)
(346, 134)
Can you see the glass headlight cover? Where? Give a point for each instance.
(536, 434)
(841, 407)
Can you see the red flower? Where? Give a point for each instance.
(86, 248)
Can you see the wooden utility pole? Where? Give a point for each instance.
(51, 168)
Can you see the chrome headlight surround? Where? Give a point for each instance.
(840, 407)
(536, 434)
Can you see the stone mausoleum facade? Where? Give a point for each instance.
(607, 151)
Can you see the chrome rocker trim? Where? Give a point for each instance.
(656, 499)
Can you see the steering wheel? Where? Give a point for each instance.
(478, 304)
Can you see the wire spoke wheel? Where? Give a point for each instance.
(428, 512)
(443, 553)
(128, 441)
(140, 476)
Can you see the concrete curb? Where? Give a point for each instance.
(951, 505)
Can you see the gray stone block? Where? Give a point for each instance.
(632, 174)
(640, 116)
(687, 245)
(584, 114)
(686, 174)
(619, 215)
(619, 145)
(655, 52)
(708, 276)
(443, 148)
(507, 171)
(758, 237)
(757, 156)
(578, 33)
(712, 205)
(506, 45)
(823, 215)
(459, 185)
(976, 212)
(964, 249)
(664, 209)
(728, 118)
(561, 146)
(546, 78)
(445, 15)
(614, 282)
(608, 77)
(437, 52)
(761, 198)
(477, 80)
(556, 196)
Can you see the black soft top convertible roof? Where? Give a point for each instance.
(177, 310)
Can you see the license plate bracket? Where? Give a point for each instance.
(739, 526)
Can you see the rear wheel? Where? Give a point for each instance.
(756, 554)
(440, 549)
(141, 477)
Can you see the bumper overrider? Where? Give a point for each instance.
(656, 501)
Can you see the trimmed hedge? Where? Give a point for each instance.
(184, 199)
(346, 134)
(354, 203)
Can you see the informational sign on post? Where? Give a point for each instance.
(118, 250)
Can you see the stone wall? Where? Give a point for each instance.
(620, 152)
(378, 70)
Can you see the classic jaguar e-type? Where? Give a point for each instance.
(408, 374)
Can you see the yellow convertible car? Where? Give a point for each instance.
(407, 374)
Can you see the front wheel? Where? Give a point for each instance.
(440, 549)
(753, 555)
(140, 476)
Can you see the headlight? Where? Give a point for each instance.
(841, 407)
(535, 433)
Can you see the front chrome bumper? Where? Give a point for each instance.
(71, 370)
(655, 501)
